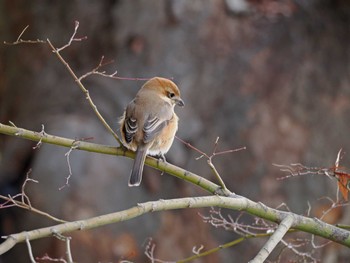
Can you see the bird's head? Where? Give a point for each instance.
(167, 89)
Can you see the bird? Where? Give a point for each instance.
(149, 123)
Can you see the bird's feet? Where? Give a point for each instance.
(161, 157)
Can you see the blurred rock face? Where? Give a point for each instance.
(274, 78)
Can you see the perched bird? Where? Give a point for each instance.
(149, 123)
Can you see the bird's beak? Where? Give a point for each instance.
(180, 102)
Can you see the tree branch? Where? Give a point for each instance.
(306, 224)
(120, 151)
(277, 236)
(226, 245)
(81, 86)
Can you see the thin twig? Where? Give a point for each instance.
(10, 199)
(81, 86)
(22, 41)
(47, 258)
(42, 133)
(113, 75)
(198, 250)
(216, 173)
(223, 246)
(210, 157)
(30, 251)
(25, 201)
(304, 255)
(69, 251)
(67, 154)
(216, 219)
(73, 38)
(65, 239)
(24, 197)
(149, 252)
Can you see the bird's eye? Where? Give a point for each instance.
(171, 95)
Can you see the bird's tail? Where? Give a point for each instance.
(137, 169)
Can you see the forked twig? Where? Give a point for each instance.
(80, 84)
(75, 146)
(210, 157)
(335, 171)
(24, 203)
(113, 75)
(73, 38)
(19, 40)
(57, 52)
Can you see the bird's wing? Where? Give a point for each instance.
(152, 121)
(152, 127)
(130, 124)
(129, 128)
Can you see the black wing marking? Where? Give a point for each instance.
(152, 127)
(130, 128)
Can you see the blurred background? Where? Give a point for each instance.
(273, 76)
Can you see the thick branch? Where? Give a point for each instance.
(98, 148)
(277, 236)
(302, 223)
